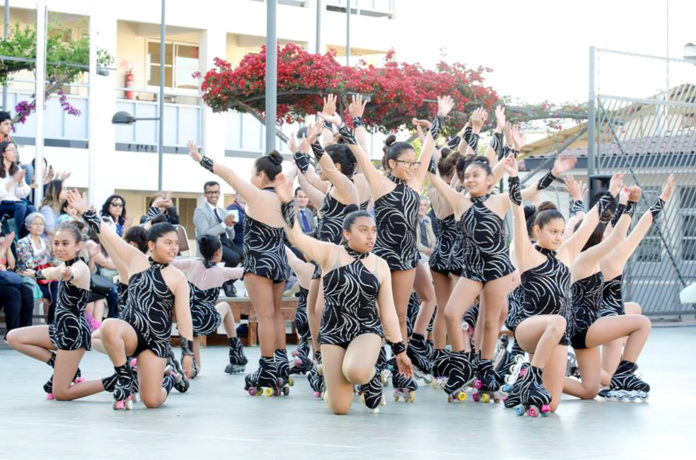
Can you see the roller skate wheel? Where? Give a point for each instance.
(545, 410)
(362, 398)
(320, 369)
(136, 398)
(50, 396)
(478, 384)
(383, 401)
(78, 380)
(298, 362)
(374, 411)
(461, 396)
(317, 394)
(286, 391)
(252, 391)
(291, 381)
(476, 397)
(519, 410)
(411, 397)
(504, 399)
(134, 362)
(267, 392)
(522, 372)
(485, 398)
(533, 411)
(396, 398)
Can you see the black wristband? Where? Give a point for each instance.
(92, 220)
(431, 166)
(318, 150)
(467, 133)
(186, 346)
(630, 208)
(301, 161)
(545, 181)
(605, 202)
(347, 135)
(497, 143)
(506, 152)
(207, 163)
(514, 190)
(620, 208)
(576, 207)
(657, 207)
(397, 347)
(288, 211)
(473, 141)
(454, 142)
(436, 126)
(358, 121)
(38, 275)
(328, 125)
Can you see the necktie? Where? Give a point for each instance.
(305, 222)
(423, 234)
(217, 216)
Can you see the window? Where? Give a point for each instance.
(180, 62)
(687, 203)
(650, 249)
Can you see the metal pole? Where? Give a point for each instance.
(591, 116)
(317, 48)
(271, 74)
(92, 152)
(40, 93)
(160, 136)
(5, 33)
(347, 32)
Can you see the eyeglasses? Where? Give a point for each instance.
(212, 192)
(116, 205)
(409, 164)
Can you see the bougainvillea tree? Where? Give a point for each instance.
(398, 91)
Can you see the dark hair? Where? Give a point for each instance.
(208, 246)
(269, 164)
(298, 189)
(393, 150)
(473, 160)
(545, 213)
(137, 235)
(447, 162)
(159, 218)
(341, 154)
(302, 132)
(4, 116)
(105, 209)
(351, 213)
(596, 236)
(13, 167)
(72, 228)
(463, 161)
(158, 230)
(64, 207)
(52, 193)
(210, 183)
(529, 214)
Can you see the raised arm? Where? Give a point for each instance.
(459, 202)
(302, 269)
(344, 186)
(247, 190)
(316, 197)
(523, 247)
(184, 323)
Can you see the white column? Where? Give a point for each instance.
(102, 106)
(40, 93)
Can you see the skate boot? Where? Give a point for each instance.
(123, 390)
(168, 383)
(417, 351)
(383, 367)
(371, 393)
(626, 385)
(511, 390)
(237, 359)
(404, 387)
(281, 362)
(136, 383)
(302, 327)
(109, 383)
(48, 386)
(301, 364)
(488, 384)
(501, 353)
(514, 366)
(534, 398)
(316, 382)
(440, 368)
(412, 312)
(181, 383)
(265, 380)
(572, 369)
(461, 373)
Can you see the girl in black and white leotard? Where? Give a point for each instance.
(539, 321)
(353, 324)
(205, 278)
(588, 329)
(61, 345)
(156, 290)
(265, 263)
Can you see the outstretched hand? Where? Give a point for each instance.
(283, 188)
(477, 119)
(576, 188)
(445, 104)
(668, 188)
(329, 105)
(615, 184)
(500, 120)
(511, 166)
(563, 163)
(77, 201)
(357, 106)
(314, 131)
(193, 151)
(634, 193)
(403, 363)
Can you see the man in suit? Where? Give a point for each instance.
(210, 219)
(305, 215)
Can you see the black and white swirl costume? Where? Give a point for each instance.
(70, 331)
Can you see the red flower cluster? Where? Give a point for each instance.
(398, 91)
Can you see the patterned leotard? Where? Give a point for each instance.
(397, 216)
(350, 294)
(70, 330)
(586, 298)
(330, 226)
(204, 316)
(543, 291)
(612, 298)
(487, 257)
(446, 256)
(149, 308)
(264, 250)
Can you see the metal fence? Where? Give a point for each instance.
(642, 122)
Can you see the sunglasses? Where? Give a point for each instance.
(116, 205)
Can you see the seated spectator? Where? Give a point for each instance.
(114, 209)
(305, 215)
(34, 253)
(162, 204)
(424, 231)
(239, 205)
(13, 188)
(15, 297)
(51, 204)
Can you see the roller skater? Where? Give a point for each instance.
(280, 357)
(371, 393)
(626, 385)
(238, 361)
(529, 396)
(264, 381)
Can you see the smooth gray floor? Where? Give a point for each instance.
(218, 418)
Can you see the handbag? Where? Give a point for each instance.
(100, 284)
(9, 278)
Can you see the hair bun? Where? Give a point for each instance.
(276, 157)
(391, 138)
(546, 205)
(350, 208)
(444, 152)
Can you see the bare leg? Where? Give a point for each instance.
(589, 366)
(611, 352)
(32, 341)
(423, 285)
(67, 363)
(278, 316)
(443, 288)
(540, 335)
(261, 294)
(360, 358)
(605, 330)
(312, 318)
(97, 342)
(402, 285)
(462, 298)
(227, 319)
(119, 339)
(554, 374)
(339, 391)
(151, 373)
(495, 293)
(197, 352)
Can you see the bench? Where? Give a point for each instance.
(242, 306)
